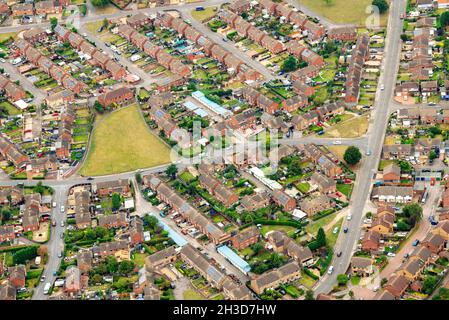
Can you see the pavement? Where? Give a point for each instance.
(373, 142)
(55, 245)
(423, 229)
(347, 242)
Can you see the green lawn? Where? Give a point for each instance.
(346, 189)
(139, 259)
(286, 229)
(204, 15)
(303, 187)
(122, 142)
(342, 11)
(321, 223)
(190, 294)
(331, 238)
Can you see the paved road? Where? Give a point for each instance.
(143, 207)
(119, 14)
(347, 241)
(146, 78)
(55, 245)
(25, 83)
(423, 229)
(229, 46)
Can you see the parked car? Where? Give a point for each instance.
(339, 254)
(331, 269)
(345, 230)
(391, 254)
(415, 243)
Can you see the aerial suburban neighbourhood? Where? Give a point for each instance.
(224, 150)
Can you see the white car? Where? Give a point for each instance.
(391, 254)
(337, 142)
(62, 209)
(331, 269)
(382, 87)
(349, 217)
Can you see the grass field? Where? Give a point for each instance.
(190, 294)
(352, 128)
(121, 143)
(313, 227)
(343, 11)
(204, 15)
(6, 36)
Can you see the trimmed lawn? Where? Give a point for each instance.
(122, 142)
(331, 238)
(346, 189)
(190, 294)
(286, 229)
(204, 15)
(321, 223)
(139, 259)
(343, 11)
(303, 187)
(6, 36)
(352, 128)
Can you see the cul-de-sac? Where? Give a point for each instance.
(224, 150)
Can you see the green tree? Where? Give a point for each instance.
(429, 284)
(97, 278)
(342, 279)
(112, 265)
(413, 212)
(151, 221)
(5, 215)
(321, 237)
(53, 23)
(289, 64)
(39, 188)
(100, 3)
(444, 19)
(171, 171)
(98, 107)
(309, 295)
(126, 267)
(23, 255)
(352, 155)
(116, 201)
(381, 4)
(432, 155)
(138, 178)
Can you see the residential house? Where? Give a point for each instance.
(361, 266)
(275, 277)
(246, 238)
(283, 200)
(120, 96)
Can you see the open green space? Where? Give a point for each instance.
(122, 142)
(343, 11)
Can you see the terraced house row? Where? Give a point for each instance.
(242, 70)
(97, 57)
(315, 31)
(45, 64)
(10, 152)
(166, 194)
(39, 8)
(163, 57)
(246, 29)
(11, 90)
(355, 70)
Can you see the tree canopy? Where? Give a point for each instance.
(381, 4)
(289, 64)
(352, 155)
(100, 3)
